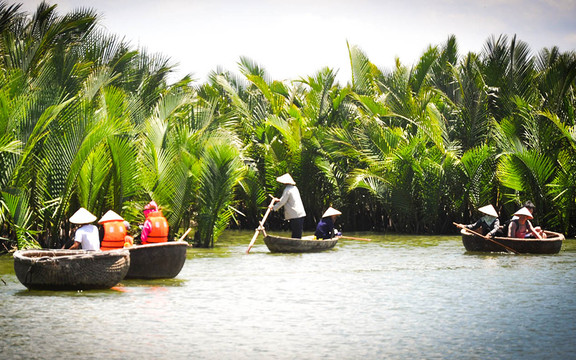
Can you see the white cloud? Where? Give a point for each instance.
(293, 39)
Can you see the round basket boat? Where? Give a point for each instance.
(279, 244)
(551, 245)
(157, 261)
(70, 269)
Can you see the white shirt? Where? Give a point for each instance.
(293, 207)
(88, 237)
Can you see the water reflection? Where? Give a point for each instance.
(395, 297)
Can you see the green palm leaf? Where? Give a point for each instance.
(221, 172)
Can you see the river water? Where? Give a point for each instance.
(396, 297)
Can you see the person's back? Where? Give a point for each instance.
(114, 231)
(158, 228)
(292, 202)
(325, 228)
(293, 207)
(88, 237)
(114, 235)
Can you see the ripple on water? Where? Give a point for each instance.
(394, 298)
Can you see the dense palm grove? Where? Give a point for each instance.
(87, 120)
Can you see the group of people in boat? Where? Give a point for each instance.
(115, 229)
(519, 226)
(294, 211)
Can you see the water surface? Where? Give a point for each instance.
(397, 297)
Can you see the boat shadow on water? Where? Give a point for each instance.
(125, 286)
(65, 293)
(130, 283)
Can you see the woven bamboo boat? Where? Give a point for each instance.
(279, 244)
(70, 269)
(551, 245)
(157, 261)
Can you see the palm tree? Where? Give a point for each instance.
(221, 171)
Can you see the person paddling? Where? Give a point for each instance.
(293, 207)
(488, 224)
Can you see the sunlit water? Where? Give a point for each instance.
(397, 297)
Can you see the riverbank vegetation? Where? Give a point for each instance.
(88, 120)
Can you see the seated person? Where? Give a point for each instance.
(115, 232)
(87, 236)
(530, 206)
(155, 229)
(488, 224)
(521, 227)
(325, 227)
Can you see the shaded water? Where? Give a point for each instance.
(397, 297)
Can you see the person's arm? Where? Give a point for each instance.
(271, 206)
(495, 227)
(283, 199)
(532, 230)
(512, 229)
(77, 239)
(474, 226)
(145, 231)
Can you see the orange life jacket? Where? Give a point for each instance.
(159, 232)
(114, 235)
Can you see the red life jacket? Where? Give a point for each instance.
(159, 231)
(114, 235)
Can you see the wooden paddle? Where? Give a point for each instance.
(186, 233)
(261, 227)
(485, 237)
(354, 238)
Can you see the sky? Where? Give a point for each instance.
(293, 39)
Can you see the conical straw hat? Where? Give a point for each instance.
(82, 216)
(488, 210)
(286, 179)
(110, 216)
(331, 211)
(524, 211)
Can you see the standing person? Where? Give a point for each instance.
(325, 227)
(155, 229)
(521, 227)
(87, 236)
(293, 208)
(489, 223)
(115, 231)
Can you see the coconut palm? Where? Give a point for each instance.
(508, 73)
(562, 189)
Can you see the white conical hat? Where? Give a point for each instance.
(286, 179)
(331, 211)
(110, 216)
(82, 216)
(488, 210)
(524, 211)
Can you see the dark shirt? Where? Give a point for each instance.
(325, 228)
(487, 229)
